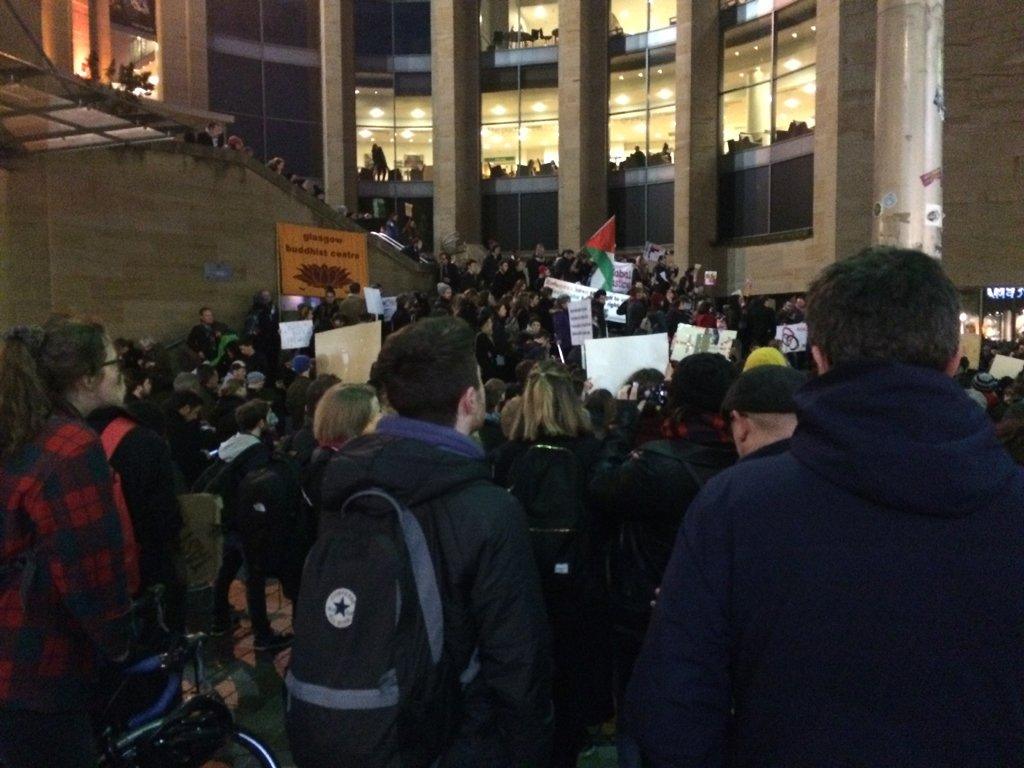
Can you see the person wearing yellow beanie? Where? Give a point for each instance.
(764, 356)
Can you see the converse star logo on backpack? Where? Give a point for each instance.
(340, 608)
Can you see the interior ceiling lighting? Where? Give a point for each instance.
(484, 132)
(366, 134)
(810, 88)
(791, 103)
(538, 106)
(376, 112)
(406, 134)
(792, 64)
(498, 109)
(540, 12)
(357, 91)
(814, 28)
(664, 94)
(418, 113)
(622, 99)
(795, 35)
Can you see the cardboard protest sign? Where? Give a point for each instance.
(793, 337)
(373, 301)
(611, 361)
(577, 292)
(581, 321)
(623, 279)
(970, 347)
(348, 352)
(690, 340)
(1003, 366)
(297, 334)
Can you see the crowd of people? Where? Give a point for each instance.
(736, 560)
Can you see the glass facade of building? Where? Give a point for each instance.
(631, 17)
(519, 121)
(516, 24)
(394, 113)
(642, 109)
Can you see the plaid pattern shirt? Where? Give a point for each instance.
(63, 590)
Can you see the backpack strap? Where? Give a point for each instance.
(111, 438)
(662, 449)
(422, 567)
(116, 431)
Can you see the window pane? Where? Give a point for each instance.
(663, 81)
(663, 13)
(292, 92)
(236, 84)
(539, 219)
(662, 130)
(796, 44)
(531, 23)
(292, 22)
(628, 17)
(661, 212)
(499, 146)
(743, 200)
(539, 141)
(540, 104)
(373, 28)
(792, 205)
(747, 55)
(413, 111)
(627, 139)
(627, 88)
(299, 144)
(794, 104)
(414, 152)
(499, 107)
(375, 106)
(746, 118)
(412, 28)
(237, 18)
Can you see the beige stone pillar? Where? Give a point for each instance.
(455, 65)
(909, 109)
(337, 74)
(181, 33)
(99, 33)
(57, 34)
(696, 150)
(844, 130)
(582, 120)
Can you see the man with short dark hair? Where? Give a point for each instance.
(204, 337)
(858, 599)
(352, 309)
(489, 586)
(326, 312)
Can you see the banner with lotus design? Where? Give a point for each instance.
(313, 259)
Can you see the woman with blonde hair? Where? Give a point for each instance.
(345, 411)
(548, 464)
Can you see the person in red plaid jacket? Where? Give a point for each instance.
(64, 594)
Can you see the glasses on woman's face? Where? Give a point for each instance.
(115, 362)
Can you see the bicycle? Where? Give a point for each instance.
(200, 732)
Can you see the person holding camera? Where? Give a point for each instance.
(642, 494)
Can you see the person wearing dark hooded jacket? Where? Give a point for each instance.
(476, 535)
(857, 600)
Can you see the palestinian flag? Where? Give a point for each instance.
(601, 250)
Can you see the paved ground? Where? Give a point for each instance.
(250, 682)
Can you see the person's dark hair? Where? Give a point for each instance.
(184, 398)
(354, 288)
(250, 414)
(646, 378)
(316, 390)
(523, 368)
(329, 289)
(135, 377)
(425, 369)
(494, 393)
(204, 309)
(885, 304)
(246, 341)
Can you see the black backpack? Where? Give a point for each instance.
(369, 683)
(221, 479)
(273, 507)
(548, 481)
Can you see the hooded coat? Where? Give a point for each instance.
(489, 586)
(857, 601)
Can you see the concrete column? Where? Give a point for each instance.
(909, 110)
(844, 131)
(181, 32)
(337, 73)
(582, 120)
(99, 33)
(455, 66)
(696, 150)
(57, 34)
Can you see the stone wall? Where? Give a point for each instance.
(124, 235)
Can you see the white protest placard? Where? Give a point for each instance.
(710, 278)
(690, 340)
(390, 306)
(373, 302)
(348, 352)
(623, 279)
(578, 292)
(297, 334)
(653, 252)
(581, 321)
(1003, 366)
(793, 337)
(611, 361)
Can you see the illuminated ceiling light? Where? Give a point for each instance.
(376, 92)
(622, 99)
(756, 48)
(524, 132)
(407, 134)
(538, 106)
(814, 28)
(795, 35)
(639, 74)
(792, 64)
(418, 113)
(376, 112)
(791, 103)
(624, 13)
(664, 94)
(737, 53)
(811, 88)
(498, 109)
(357, 91)
(540, 12)
(622, 77)
(640, 128)
(484, 132)
(365, 134)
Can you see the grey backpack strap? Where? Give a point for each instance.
(422, 568)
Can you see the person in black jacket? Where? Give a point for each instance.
(474, 529)
(187, 437)
(856, 600)
(552, 420)
(644, 493)
(761, 324)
